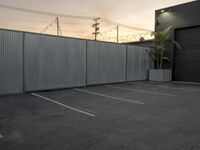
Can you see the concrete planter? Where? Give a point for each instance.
(160, 75)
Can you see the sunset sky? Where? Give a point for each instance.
(125, 13)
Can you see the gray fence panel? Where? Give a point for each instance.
(11, 62)
(138, 63)
(53, 63)
(106, 63)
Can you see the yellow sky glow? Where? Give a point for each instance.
(132, 13)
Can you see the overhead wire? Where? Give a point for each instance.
(70, 16)
(109, 30)
(45, 13)
(124, 25)
(49, 25)
(74, 17)
(22, 19)
(21, 26)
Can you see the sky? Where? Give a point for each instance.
(128, 14)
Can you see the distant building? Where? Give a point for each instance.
(145, 43)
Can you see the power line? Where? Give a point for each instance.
(136, 34)
(49, 25)
(58, 28)
(74, 23)
(126, 37)
(40, 20)
(70, 16)
(45, 13)
(21, 19)
(59, 32)
(124, 25)
(109, 30)
(20, 26)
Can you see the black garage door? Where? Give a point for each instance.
(187, 60)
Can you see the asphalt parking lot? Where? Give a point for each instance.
(140, 115)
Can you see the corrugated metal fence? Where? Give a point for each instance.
(138, 63)
(32, 62)
(11, 62)
(52, 62)
(106, 63)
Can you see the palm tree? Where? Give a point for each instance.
(162, 38)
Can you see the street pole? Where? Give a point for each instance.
(96, 28)
(57, 25)
(117, 34)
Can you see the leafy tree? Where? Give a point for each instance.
(162, 38)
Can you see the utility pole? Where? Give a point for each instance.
(58, 27)
(117, 34)
(96, 28)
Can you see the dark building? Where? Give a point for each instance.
(145, 43)
(185, 20)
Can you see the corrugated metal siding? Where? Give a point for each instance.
(11, 62)
(106, 63)
(52, 62)
(138, 63)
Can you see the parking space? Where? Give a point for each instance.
(135, 115)
(169, 86)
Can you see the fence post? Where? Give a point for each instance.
(86, 64)
(23, 63)
(126, 62)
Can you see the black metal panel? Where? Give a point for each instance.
(180, 16)
(187, 60)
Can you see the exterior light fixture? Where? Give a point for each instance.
(162, 11)
(168, 10)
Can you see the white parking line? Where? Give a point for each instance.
(184, 82)
(176, 88)
(66, 106)
(143, 91)
(111, 97)
(181, 88)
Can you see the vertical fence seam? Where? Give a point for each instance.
(23, 62)
(86, 64)
(126, 63)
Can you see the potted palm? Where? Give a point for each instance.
(162, 38)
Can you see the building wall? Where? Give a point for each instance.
(146, 43)
(180, 16)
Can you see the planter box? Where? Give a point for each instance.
(160, 75)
